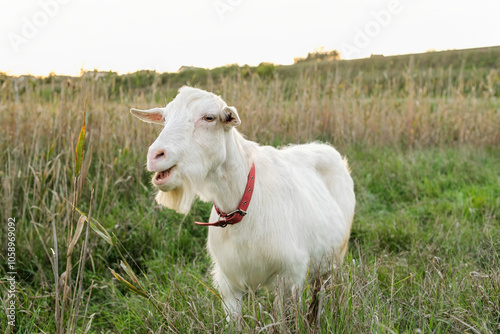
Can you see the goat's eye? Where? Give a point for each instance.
(209, 118)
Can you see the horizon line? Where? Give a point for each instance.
(83, 71)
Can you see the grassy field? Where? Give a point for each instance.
(422, 135)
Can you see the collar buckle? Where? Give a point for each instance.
(224, 219)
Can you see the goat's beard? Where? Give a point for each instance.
(179, 199)
(176, 199)
(182, 197)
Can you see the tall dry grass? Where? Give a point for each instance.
(331, 110)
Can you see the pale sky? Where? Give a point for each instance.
(63, 36)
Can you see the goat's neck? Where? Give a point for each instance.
(226, 184)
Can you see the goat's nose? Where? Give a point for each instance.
(157, 154)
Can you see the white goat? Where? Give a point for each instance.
(301, 210)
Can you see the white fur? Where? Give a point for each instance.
(300, 215)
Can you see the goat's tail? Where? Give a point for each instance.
(346, 164)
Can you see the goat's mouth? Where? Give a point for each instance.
(163, 176)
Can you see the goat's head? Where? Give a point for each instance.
(191, 144)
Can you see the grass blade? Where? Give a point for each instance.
(76, 236)
(79, 147)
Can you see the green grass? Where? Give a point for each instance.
(424, 253)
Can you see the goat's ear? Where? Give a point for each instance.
(230, 116)
(154, 115)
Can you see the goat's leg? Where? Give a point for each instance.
(231, 295)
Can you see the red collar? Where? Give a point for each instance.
(237, 215)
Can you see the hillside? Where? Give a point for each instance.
(476, 69)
